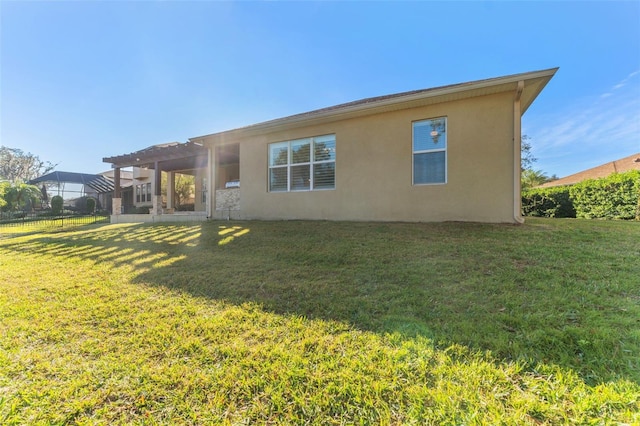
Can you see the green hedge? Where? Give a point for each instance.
(614, 197)
(548, 202)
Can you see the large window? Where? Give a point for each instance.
(430, 151)
(303, 164)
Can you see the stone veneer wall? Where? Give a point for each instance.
(228, 199)
(116, 206)
(156, 208)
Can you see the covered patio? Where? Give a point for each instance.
(171, 158)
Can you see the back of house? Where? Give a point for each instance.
(450, 153)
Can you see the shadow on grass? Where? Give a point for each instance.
(563, 293)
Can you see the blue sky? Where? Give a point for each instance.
(80, 81)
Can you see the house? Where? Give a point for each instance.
(632, 162)
(449, 153)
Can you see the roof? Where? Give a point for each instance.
(622, 165)
(534, 82)
(97, 182)
(173, 155)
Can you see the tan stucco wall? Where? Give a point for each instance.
(374, 168)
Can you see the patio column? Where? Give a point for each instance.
(199, 204)
(157, 190)
(116, 202)
(211, 188)
(171, 189)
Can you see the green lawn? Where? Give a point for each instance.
(322, 323)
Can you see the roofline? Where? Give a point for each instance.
(380, 103)
(575, 177)
(159, 152)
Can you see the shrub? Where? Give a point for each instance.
(613, 197)
(548, 202)
(91, 205)
(185, 208)
(56, 204)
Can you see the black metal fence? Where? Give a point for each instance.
(36, 222)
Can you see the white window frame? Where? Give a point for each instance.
(430, 151)
(311, 164)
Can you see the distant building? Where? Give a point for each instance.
(622, 165)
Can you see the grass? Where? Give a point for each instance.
(322, 323)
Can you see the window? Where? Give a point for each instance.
(430, 151)
(303, 164)
(143, 193)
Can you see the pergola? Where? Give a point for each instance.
(168, 157)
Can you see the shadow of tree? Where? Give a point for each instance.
(489, 287)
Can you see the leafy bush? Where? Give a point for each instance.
(613, 197)
(185, 208)
(548, 202)
(84, 205)
(56, 204)
(91, 205)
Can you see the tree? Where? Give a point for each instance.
(4, 187)
(21, 196)
(529, 176)
(184, 187)
(527, 158)
(18, 166)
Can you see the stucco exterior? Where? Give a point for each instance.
(373, 167)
